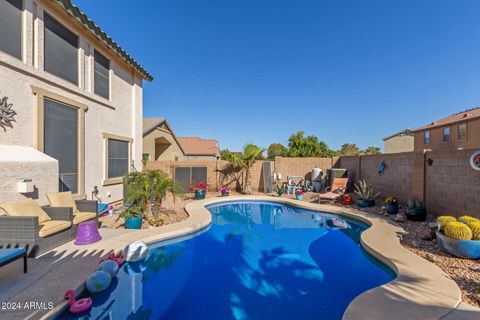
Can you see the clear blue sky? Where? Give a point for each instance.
(258, 70)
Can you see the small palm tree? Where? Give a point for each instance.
(143, 189)
(245, 161)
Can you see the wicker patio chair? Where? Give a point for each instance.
(83, 210)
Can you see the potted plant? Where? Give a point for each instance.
(391, 205)
(199, 188)
(225, 191)
(459, 238)
(415, 210)
(299, 194)
(133, 217)
(366, 194)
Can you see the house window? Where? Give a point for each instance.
(60, 141)
(102, 75)
(146, 157)
(118, 158)
(462, 131)
(446, 134)
(426, 137)
(11, 27)
(61, 50)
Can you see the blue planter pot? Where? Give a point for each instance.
(366, 203)
(133, 223)
(299, 197)
(225, 194)
(460, 248)
(392, 208)
(200, 194)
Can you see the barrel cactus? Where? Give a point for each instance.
(458, 230)
(467, 219)
(443, 220)
(475, 227)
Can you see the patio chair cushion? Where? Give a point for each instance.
(25, 208)
(83, 216)
(329, 196)
(62, 199)
(53, 226)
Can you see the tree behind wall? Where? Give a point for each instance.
(371, 150)
(309, 146)
(349, 149)
(277, 150)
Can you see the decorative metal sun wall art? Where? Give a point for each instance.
(7, 114)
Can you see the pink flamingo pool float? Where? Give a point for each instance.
(118, 259)
(78, 306)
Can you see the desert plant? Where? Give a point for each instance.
(390, 200)
(443, 220)
(365, 191)
(458, 230)
(147, 188)
(279, 191)
(416, 204)
(245, 161)
(131, 212)
(475, 227)
(467, 219)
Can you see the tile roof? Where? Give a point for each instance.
(408, 132)
(196, 146)
(463, 116)
(88, 24)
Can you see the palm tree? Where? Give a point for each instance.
(143, 189)
(245, 161)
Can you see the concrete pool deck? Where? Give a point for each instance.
(421, 290)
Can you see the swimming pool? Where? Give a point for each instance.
(258, 260)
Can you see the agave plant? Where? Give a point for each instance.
(365, 191)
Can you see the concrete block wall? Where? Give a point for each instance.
(303, 166)
(452, 186)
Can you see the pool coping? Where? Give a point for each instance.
(420, 291)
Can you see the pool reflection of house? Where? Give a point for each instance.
(76, 98)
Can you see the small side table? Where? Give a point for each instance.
(87, 233)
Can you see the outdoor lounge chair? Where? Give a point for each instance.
(9, 255)
(26, 224)
(83, 210)
(337, 190)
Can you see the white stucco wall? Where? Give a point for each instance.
(121, 116)
(17, 163)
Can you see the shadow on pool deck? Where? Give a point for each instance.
(51, 273)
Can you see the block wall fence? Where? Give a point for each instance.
(444, 180)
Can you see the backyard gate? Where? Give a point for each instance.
(185, 175)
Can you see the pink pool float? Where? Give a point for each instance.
(78, 306)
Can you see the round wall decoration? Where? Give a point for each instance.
(475, 160)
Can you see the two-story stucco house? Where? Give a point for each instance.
(72, 104)
(457, 131)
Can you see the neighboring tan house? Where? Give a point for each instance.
(196, 148)
(458, 131)
(159, 141)
(71, 116)
(402, 141)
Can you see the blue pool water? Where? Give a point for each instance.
(258, 260)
